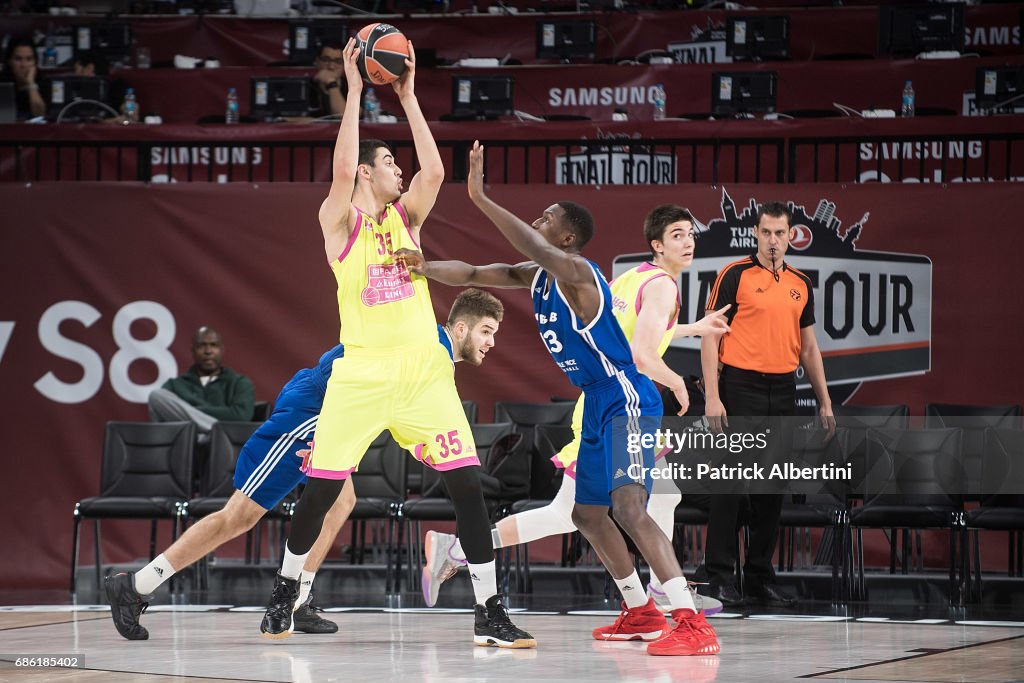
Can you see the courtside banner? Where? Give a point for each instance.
(873, 309)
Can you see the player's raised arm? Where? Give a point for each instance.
(334, 212)
(425, 185)
(568, 268)
(459, 273)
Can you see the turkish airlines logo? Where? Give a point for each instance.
(802, 237)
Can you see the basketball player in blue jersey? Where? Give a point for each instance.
(573, 307)
(269, 466)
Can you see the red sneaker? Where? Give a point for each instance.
(692, 635)
(642, 623)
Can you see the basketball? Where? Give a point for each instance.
(383, 50)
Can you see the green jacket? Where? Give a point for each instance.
(229, 397)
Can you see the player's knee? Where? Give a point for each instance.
(629, 514)
(584, 519)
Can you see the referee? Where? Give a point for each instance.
(750, 372)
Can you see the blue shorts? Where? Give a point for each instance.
(612, 408)
(269, 466)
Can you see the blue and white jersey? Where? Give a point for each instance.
(586, 354)
(322, 372)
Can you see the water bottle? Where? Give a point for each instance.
(50, 54)
(908, 100)
(131, 106)
(231, 113)
(659, 102)
(371, 107)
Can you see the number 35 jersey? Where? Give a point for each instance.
(586, 353)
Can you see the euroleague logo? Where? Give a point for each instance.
(802, 237)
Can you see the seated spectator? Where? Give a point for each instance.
(20, 68)
(327, 96)
(207, 392)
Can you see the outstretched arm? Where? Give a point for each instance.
(567, 268)
(459, 273)
(425, 185)
(334, 212)
(713, 323)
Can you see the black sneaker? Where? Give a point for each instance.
(277, 622)
(126, 606)
(493, 627)
(306, 619)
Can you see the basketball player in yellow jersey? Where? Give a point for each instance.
(394, 374)
(646, 306)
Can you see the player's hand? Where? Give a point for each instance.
(714, 411)
(713, 324)
(683, 396)
(405, 85)
(828, 421)
(475, 181)
(350, 54)
(413, 260)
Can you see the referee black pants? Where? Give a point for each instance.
(745, 393)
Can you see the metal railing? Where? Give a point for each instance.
(939, 158)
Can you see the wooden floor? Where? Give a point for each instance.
(222, 643)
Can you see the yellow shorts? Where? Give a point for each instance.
(566, 458)
(409, 391)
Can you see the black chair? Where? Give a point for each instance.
(434, 505)
(471, 409)
(1002, 467)
(548, 440)
(261, 410)
(217, 485)
(975, 420)
(526, 417)
(380, 483)
(825, 509)
(907, 485)
(856, 421)
(146, 474)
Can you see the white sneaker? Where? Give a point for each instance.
(441, 566)
(703, 602)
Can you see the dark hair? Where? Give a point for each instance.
(87, 57)
(331, 44)
(15, 43)
(471, 305)
(660, 218)
(775, 210)
(368, 150)
(580, 220)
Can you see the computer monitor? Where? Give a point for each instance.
(275, 96)
(566, 39)
(743, 92)
(998, 87)
(306, 35)
(112, 41)
(756, 37)
(8, 107)
(481, 97)
(907, 30)
(61, 91)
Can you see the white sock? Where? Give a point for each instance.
(632, 590)
(305, 586)
(149, 578)
(679, 596)
(656, 583)
(292, 565)
(485, 582)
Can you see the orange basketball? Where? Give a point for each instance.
(383, 50)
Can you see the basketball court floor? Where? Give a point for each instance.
(221, 642)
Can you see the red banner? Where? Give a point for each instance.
(106, 283)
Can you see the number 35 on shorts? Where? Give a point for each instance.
(448, 444)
